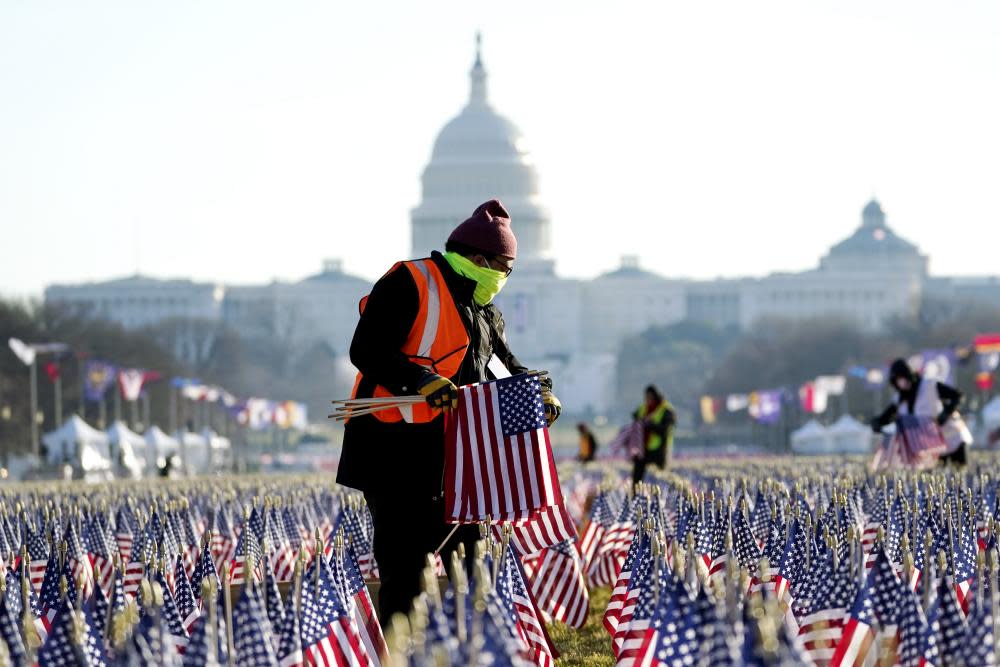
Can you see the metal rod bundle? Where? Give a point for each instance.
(356, 407)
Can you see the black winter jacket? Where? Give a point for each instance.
(398, 457)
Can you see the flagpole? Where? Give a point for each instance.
(133, 408)
(34, 407)
(118, 403)
(58, 399)
(145, 410)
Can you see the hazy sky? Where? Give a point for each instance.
(245, 141)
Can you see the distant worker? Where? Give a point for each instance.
(428, 326)
(657, 417)
(588, 443)
(926, 398)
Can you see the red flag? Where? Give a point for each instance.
(52, 370)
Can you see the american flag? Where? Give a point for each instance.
(600, 520)
(917, 638)
(946, 614)
(645, 589)
(205, 569)
(359, 604)
(71, 641)
(10, 632)
(638, 551)
(558, 585)
(328, 634)
(176, 636)
(124, 530)
(184, 597)
(825, 613)
(247, 546)
(513, 592)
(252, 632)
(273, 605)
(38, 555)
(290, 652)
(671, 637)
(641, 579)
(544, 528)
(498, 458)
(614, 546)
(100, 556)
(359, 541)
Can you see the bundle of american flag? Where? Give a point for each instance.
(915, 443)
(245, 571)
(767, 563)
(498, 458)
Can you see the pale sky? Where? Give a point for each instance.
(243, 141)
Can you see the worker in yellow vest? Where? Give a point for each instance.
(428, 326)
(658, 418)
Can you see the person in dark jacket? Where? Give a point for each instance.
(588, 444)
(427, 327)
(927, 398)
(658, 418)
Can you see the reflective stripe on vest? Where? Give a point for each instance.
(437, 339)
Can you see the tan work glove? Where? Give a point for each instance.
(440, 392)
(552, 406)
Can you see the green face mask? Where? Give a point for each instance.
(489, 282)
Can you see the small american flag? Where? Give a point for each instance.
(498, 455)
(252, 632)
(328, 635)
(558, 585)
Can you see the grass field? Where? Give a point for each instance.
(590, 646)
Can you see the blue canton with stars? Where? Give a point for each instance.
(521, 408)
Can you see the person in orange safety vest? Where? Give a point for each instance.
(428, 326)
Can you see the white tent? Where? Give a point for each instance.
(195, 453)
(849, 436)
(220, 448)
(159, 445)
(812, 438)
(128, 449)
(81, 446)
(991, 415)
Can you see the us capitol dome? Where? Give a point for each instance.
(478, 155)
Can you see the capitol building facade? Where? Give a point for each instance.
(572, 327)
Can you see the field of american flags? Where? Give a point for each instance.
(771, 561)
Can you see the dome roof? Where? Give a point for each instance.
(872, 214)
(874, 246)
(478, 134)
(480, 155)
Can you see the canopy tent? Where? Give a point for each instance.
(991, 415)
(220, 449)
(194, 452)
(849, 436)
(812, 438)
(159, 445)
(81, 446)
(128, 449)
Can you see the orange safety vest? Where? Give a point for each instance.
(437, 339)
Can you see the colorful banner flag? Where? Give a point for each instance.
(52, 370)
(737, 402)
(709, 409)
(936, 364)
(132, 380)
(98, 376)
(813, 398)
(765, 406)
(23, 351)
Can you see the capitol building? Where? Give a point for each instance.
(573, 327)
